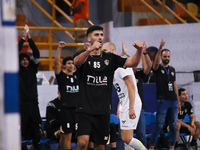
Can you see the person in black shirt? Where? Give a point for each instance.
(29, 110)
(95, 70)
(192, 126)
(68, 88)
(53, 120)
(167, 94)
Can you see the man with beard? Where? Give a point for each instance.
(167, 96)
(95, 73)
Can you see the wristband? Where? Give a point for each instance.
(145, 53)
(179, 102)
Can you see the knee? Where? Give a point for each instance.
(126, 139)
(197, 123)
(82, 144)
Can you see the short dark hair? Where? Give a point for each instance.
(24, 54)
(94, 28)
(180, 90)
(66, 59)
(164, 50)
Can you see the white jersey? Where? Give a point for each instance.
(122, 89)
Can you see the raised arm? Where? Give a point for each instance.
(134, 61)
(131, 94)
(158, 56)
(57, 67)
(146, 61)
(21, 42)
(82, 57)
(36, 53)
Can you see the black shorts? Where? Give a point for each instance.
(67, 120)
(184, 130)
(97, 126)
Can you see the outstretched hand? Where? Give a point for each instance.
(138, 45)
(61, 44)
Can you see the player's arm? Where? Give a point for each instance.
(146, 61)
(131, 94)
(158, 56)
(134, 61)
(57, 65)
(192, 121)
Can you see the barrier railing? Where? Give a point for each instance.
(50, 58)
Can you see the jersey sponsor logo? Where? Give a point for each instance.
(97, 80)
(72, 89)
(117, 87)
(123, 121)
(71, 80)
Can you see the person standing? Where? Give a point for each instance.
(80, 10)
(68, 88)
(96, 69)
(167, 96)
(29, 110)
(129, 107)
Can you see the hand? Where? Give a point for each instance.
(117, 113)
(132, 114)
(138, 45)
(191, 130)
(162, 43)
(24, 34)
(96, 45)
(124, 49)
(61, 44)
(144, 47)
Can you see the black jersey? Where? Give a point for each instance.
(185, 109)
(162, 83)
(68, 87)
(96, 79)
(53, 113)
(140, 76)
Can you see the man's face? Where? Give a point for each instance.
(24, 62)
(69, 66)
(184, 96)
(96, 35)
(165, 57)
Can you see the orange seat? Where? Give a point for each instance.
(179, 11)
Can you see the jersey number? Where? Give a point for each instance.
(117, 87)
(97, 64)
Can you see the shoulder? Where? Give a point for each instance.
(188, 104)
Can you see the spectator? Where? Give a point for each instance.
(167, 94)
(192, 126)
(68, 87)
(95, 70)
(29, 110)
(80, 12)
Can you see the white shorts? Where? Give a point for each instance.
(125, 122)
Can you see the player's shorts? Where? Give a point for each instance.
(96, 126)
(125, 122)
(67, 120)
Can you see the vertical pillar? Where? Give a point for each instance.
(9, 54)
